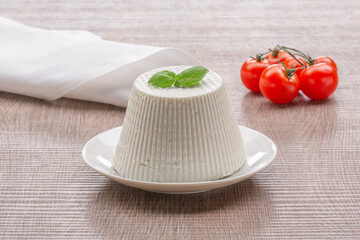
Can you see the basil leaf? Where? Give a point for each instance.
(191, 77)
(187, 78)
(163, 79)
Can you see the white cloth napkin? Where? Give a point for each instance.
(50, 64)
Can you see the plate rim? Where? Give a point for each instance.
(146, 184)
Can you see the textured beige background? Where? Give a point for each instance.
(310, 191)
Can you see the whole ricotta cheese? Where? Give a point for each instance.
(179, 134)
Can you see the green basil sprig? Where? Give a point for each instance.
(187, 78)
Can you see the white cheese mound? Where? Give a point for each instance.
(179, 134)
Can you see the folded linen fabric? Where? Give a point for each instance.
(51, 64)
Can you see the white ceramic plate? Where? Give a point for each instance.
(260, 151)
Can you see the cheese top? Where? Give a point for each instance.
(211, 82)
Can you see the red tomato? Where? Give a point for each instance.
(318, 81)
(326, 60)
(291, 62)
(277, 86)
(251, 71)
(277, 56)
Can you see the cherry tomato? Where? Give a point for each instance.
(278, 85)
(291, 62)
(251, 71)
(318, 81)
(277, 56)
(326, 60)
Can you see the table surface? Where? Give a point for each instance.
(311, 190)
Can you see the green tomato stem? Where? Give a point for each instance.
(308, 59)
(259, 57)
(292, 55)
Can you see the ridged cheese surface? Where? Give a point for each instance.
(179, 134)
